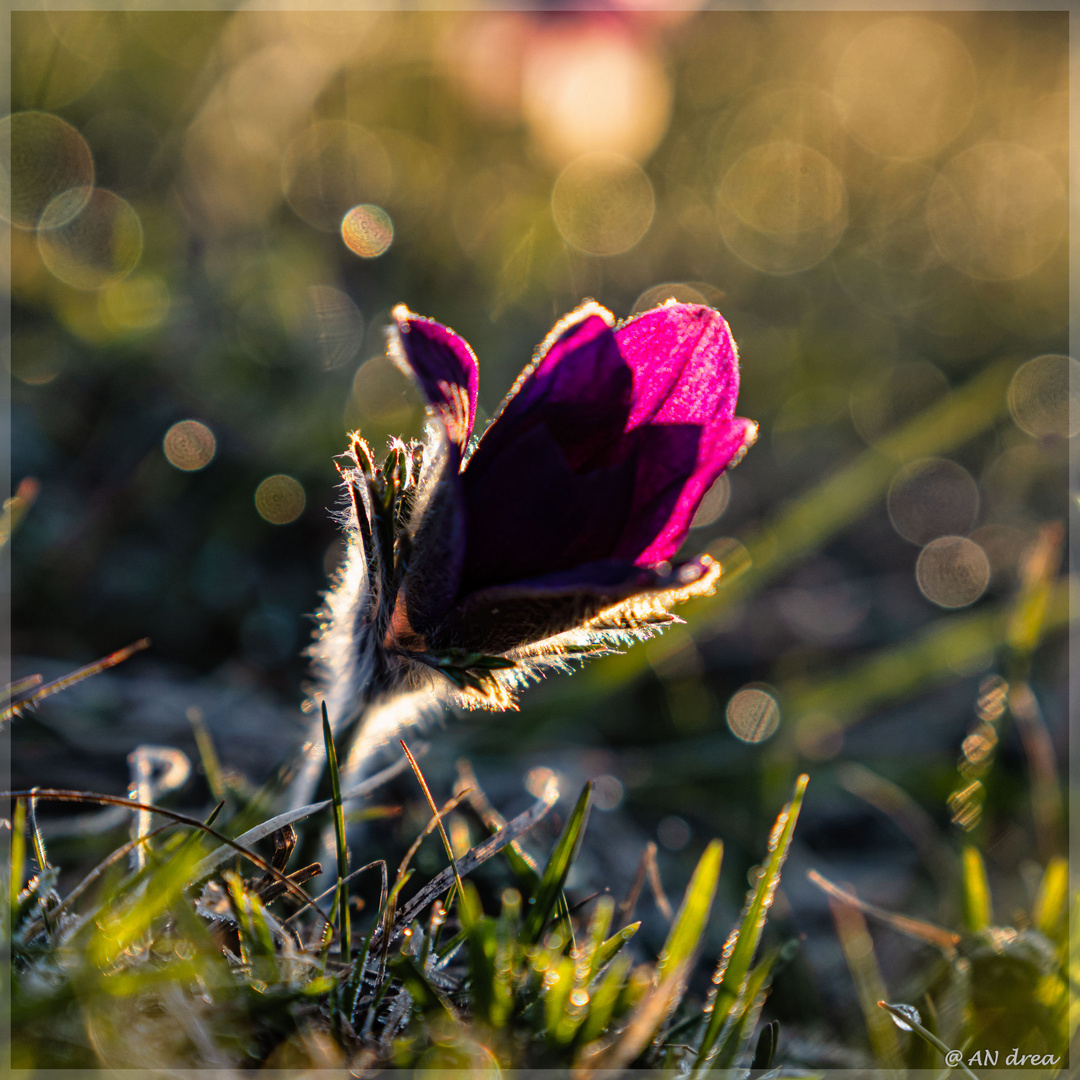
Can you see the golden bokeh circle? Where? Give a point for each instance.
(137, 303)
(752, 714)
(931, 497)
(782, 207)
(101, 245)
(594, 91)
(1044, 396)
(906, 86)
(685, 292)
(367, 230)
(603, 203)
(331, 166)
(881, 403)
(280, 499)
(44, 164)
(714, 503)
(997, 211)
(189, 445)
(952, 571)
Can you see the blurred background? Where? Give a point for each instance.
(213, 213)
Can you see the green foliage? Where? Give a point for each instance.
(999, 989)
(153, 967)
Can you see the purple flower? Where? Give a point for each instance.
(555, 535)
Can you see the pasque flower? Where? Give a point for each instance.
(473, 566)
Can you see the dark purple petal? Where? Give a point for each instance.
(505, 617)
(579, 388)
(528, 513)
(445, 369)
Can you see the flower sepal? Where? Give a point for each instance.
(466, 670)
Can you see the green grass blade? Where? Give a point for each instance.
(17, 861)
(603, 999)
(599, 925)
(738, 954)
(610, 948)
(1052, 899)
(1029, 618)
(907, 1019)
(211, 763)
(858, 948)
(341, 896)
(549, 890)
(686, 931)
(765, 1050)
(739, 1028)
(977, 913)
(558, 986)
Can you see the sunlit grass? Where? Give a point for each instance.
(178, 962)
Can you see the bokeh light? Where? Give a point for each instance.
(952, 571)
(601, 90)
(137, 303)
(539, 779)
(906, 86)
(818, 736)
(337, 326)
(331, 166)
(685, 292)
(603, 203)
(824, 602)
(280, 499)
(784, 111)
(997, 210)
(607, 792)
(673, 832)
(51, 167)
(1044, 396)
(36, 357)
(189, 445)
(931, 497)
(782, 207)
(367, 231)
(752, 714)
(383, 398)
(714, 504)
(98, 247)
(46, 70)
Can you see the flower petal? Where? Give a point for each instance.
(578, 387)
(445, 368)
(685, 365)
(686, 380)
(528, 513)
(677, 465)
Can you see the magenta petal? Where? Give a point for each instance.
(669, 490)
(685, 365)
(445, 369)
